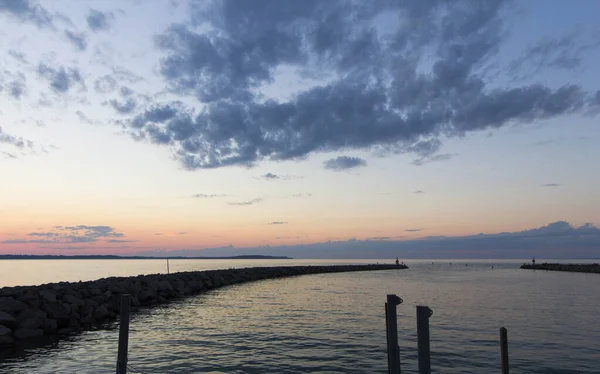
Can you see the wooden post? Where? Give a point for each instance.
(391, 324)
(123, 335)
(168, 271)
(424, 353)
(504, 349)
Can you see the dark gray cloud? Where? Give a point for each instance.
(273, 177)
(79, 40)
(123, 107)
(278, 223)
(72, 235)
(19, 56)
(209, 196)
(249, 202)
(125, 91)
(564, 52)
(551, 185)
(556, 240)
(397, 86)
(27, 11)
(98, 21)
(413, 230)
(15, 84)
(344, 163)
(61, 80)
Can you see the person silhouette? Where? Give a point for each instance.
(397, 261)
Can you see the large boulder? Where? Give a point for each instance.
(49, 296)
(22, 334)
(73, 300)
(7, 319)
(31, 319)
(4, 330)
(10, 305)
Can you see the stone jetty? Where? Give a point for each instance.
(30, 313)
(577, 268)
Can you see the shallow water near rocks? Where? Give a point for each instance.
(335, 323)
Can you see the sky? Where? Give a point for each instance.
(313, 129)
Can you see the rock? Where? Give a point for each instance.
(6, 340)
(56, 311)
(4, 330)
(49, 326)
(101, 313)
(6, 319)
(10, 305)
(73, 300)
(48, 296)
(30, 323)
(21, 334)
(164, 285)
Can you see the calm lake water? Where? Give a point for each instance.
(335, 322)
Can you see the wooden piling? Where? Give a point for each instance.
(391, 323)
(123, 334)
(504, 349)
(423, 348)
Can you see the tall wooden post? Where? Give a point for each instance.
(123, 334)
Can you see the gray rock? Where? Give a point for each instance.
(10, 305)
(4, 330)
(164, 285)
(73, 300)
(48, 296)
(6, 340)
(21, 334)
(101, 313)
(50, 326)
(56, 311)
(30, 323)
(7, 319)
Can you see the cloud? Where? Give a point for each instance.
(344, 163)
(278, 223)
(379, 238)
(99, 21)
(71, 235)
(556, 240)
(83, 118)
(79, 40)
(419, 192)
(182, 233)
(565, 52)
(435, 158)
(551, 185)
(123, 107)
(14, 83)
(302, 195)
(249, 202)
(383, 86)
(209, 196)
(105, 84)
(26, 11)
(413, 230)
(60, 79)
(15, 141)
(271, 177)
(19, 56)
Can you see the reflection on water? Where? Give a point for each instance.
(335, 323)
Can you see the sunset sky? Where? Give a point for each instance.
(134, 126)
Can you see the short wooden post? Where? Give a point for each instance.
(123, 334)
(168, 270)
(424, 353)
(504, 349)
(391, 324)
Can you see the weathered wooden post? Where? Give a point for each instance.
(391, 324)
(504, 349)
(168, 270)
(424, 353)
(123, 334)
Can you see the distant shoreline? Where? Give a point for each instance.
(115, 257)
(574, 268)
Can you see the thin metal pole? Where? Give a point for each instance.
(391, 324)
(424, 353)
(504, 349)
(123, 335)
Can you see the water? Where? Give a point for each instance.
(335, 323)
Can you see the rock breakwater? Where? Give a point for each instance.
(28, 313)
(577, 268)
